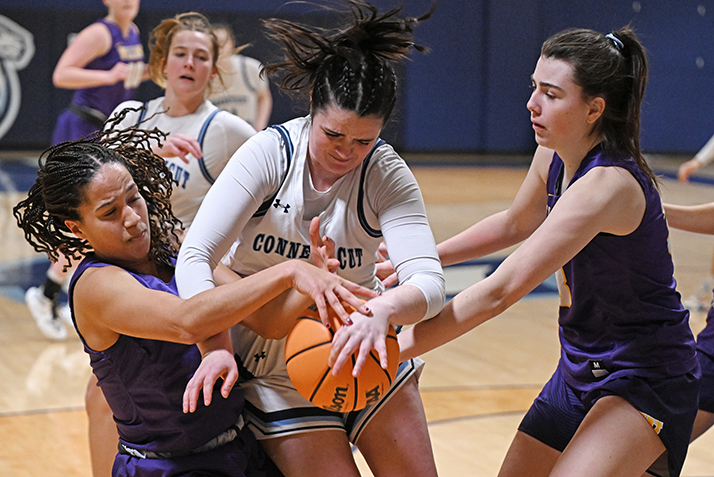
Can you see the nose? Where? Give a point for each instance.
(532, 105)
(344, 148)
(131, 218)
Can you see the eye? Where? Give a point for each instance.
(331, 134)
(364, 142)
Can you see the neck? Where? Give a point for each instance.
(177, 106)
(572, 156)
(124, 24)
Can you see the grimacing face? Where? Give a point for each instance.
(114, 218)
(340, 140)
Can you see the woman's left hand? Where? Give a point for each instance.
(366, 332)
(216, 364)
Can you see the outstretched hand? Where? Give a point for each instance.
(322, 249)
(216, 364)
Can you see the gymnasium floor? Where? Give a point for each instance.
(475, 389)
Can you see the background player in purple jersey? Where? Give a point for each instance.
(104, 64)
(700, 219)
(109, 200)
(626, 385)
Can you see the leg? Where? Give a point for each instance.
(313, 454)
(613, 440)
(396, 441)
(103, 437)
(702, 423)
(527, 456)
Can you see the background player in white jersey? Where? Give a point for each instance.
(241, 88)
(333, 166)
(201, 139)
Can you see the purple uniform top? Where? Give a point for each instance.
(625, 315)
(100, 100)
(143, 381)
(126, 50)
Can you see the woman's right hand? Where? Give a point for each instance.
(687, 169)
(179, 145)
(328, 288)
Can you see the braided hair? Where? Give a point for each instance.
(350, 67)
(67, 168)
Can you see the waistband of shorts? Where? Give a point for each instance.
(224, 438)
(91, 115)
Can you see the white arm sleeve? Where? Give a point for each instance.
(410, 242)
(706, 153)
(251, 175)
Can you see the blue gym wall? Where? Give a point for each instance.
(467, 95)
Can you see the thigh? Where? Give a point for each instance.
(527, 456)
(613, 440)
(702, 423)
(312, 454)
(396, 440)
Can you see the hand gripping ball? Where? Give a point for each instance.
(307, 349)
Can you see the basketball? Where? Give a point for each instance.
(307, 349)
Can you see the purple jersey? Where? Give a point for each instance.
(625, 316)
(104, 99)
(144, 380)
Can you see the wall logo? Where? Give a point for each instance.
(17, 47)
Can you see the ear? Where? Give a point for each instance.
(596, 108)
(74, 227)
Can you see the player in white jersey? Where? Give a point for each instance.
(200, 140)
(241, 89)
(333, 166)
(218, 134)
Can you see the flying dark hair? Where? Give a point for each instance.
(64, 172)
(613, 67)
(350, 67)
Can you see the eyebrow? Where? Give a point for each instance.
(110, 202)
(341, 134)
(546, 84)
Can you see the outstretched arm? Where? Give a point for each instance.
(607, 199)
(692, 218)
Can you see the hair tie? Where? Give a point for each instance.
(619, 45)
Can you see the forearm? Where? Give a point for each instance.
(265, 107)
(75, 78)
(402, 305)
(485, 237)
(275, 319)
(697, 218)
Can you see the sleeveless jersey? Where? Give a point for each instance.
(219, 133)
(101, 99)
(620, 313)
(144, 380)
(238, 92)
(126, 50)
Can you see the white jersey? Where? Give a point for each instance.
(218, 143)
(238, 92)
(259, 211)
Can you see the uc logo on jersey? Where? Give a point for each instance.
(17, 47)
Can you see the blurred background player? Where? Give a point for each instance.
(240, 89)
(105, 65)
(702, 299)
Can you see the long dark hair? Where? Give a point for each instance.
(67, 168)
(613, 67)
(350, 67)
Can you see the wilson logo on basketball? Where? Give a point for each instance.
(338, 401)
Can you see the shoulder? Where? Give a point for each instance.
(224, 122)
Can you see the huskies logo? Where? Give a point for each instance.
(17, 47)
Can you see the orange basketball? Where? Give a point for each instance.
(307, 349)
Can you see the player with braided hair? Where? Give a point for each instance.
(331, 165)
(109, 202)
